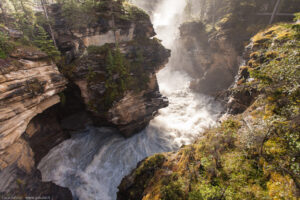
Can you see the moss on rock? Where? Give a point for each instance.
(252, 155)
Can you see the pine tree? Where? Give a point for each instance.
(44, 3)
(115, 65)
(45, 44)
(109, 63)
(119, 62)
(122, 70)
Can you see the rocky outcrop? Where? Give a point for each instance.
(45, 132)
(214, 60)
(252, 153)
(134, 111)
(20, 178)
(113, 61)
(213, 44)
(149, 6)
(100, 27)
(110, 62)
(29, 84)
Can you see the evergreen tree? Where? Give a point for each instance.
(118, 76)
(122, 69)
(45, 44)
(109, 63)
(44, 3)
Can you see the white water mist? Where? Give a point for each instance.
(92, 163)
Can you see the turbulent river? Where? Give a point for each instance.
(93, 162)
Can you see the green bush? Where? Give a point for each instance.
(297, 16)
(122, 74)
(116, 66)
(172, 191)
(150, 164)
(78, 15)
(5, 45)
(98, 50)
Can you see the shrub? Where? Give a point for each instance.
(5, 45)
(79, 15)
(297, 16)
(116, 65)
(172, 191)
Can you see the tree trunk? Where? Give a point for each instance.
(47, 17)
(113, 22)
(275, 10)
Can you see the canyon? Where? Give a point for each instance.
(95, 121)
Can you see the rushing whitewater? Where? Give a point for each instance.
(92, 163)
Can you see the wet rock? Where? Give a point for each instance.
(18, 153)
(240, 99)
(20, 178)
(133, 113)
(76, 122)
(213, 59)
(43, 133)
(30, 186)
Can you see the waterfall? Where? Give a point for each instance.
(93, 162)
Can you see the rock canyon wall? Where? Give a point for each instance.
(106, 75)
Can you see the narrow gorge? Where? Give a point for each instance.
(149, 100)
(93, 163)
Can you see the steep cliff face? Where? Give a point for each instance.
(29, 84)
(113, 61)
(214, 42)
(250, 155)
(214, 59)
(149, 6)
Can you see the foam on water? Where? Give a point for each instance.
(92, 163)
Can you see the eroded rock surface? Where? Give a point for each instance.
(29, 84)
(214, 59)
(114, 62)
(258, 138)
(213, 44)
(27, 88)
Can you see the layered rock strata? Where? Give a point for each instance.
(29, 84)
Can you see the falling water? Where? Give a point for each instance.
(92, 163)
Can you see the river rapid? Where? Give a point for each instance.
(93, 162)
